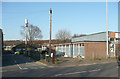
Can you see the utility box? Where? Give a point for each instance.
(51, 54)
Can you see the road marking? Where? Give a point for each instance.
(78, 72)
(58, 74)
(36, 67)
(19, 67)
(94, 70)
(75, 73)
(24, 68)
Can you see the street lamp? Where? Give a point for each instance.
(26, 25)
(107, 43)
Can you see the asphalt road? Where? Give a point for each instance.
(21, 66)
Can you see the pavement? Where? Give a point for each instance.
(69, 62)
(21, 66)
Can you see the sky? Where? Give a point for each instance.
(76, 17)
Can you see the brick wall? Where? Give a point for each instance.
(95, 50)
(117, 49)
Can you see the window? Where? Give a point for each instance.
(111, 39)
(117, 38)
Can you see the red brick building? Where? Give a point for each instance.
(91, 46)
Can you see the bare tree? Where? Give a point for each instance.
(75, 35)
(63, 35)
(34, 33)
(78, 35)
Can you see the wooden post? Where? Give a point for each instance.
(54, 57)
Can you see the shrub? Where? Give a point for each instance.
(98, 59)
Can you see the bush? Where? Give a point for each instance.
(113, 57)
(98, 59)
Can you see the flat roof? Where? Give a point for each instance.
(94, 34)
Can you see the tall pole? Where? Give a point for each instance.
(107, 44)
(26, 25)
(50, 33)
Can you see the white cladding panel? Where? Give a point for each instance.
(117, 35)
(93, 37)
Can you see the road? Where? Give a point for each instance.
(21, 66)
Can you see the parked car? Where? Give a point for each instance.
(17, 53)
(60, 53)
(12, 52)
(35, 51)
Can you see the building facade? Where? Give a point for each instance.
(90, 46)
